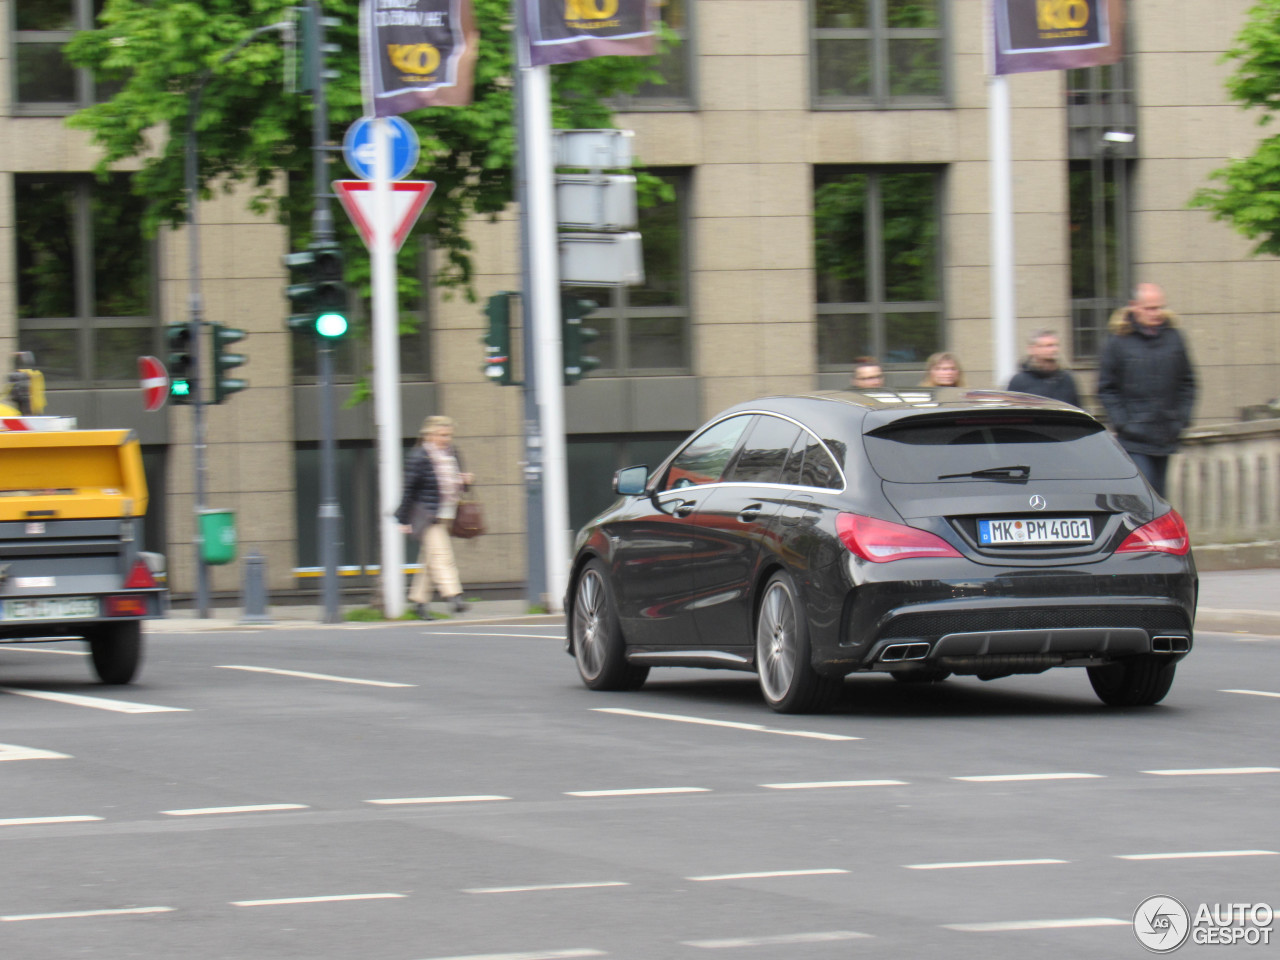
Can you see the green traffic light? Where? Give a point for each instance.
(331, 325)
(180, 388)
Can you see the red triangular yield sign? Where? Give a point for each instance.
(408, 197)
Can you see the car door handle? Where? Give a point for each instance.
(751, 513)
(684, 508)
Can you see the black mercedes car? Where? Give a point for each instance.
(918, 534)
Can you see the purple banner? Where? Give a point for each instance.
(1032, 35)
(561, 31)
(416, 54)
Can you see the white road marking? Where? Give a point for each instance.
(28, 821)
(1254, 693)
(962, 864)
(765, 875)
(1015, 777)
(547, 886)
(732, 724)
(518, 636)
(36, 648)
(827, 784)
(1212, 771)
(254, 808)
(476, 798)
(127, 911)
(826, 936)
(315, 676)
(540, 955)
(1036, 925)
(634, 791)
(10, 751)
(286, 901)
(1198, 855)
(98, 703)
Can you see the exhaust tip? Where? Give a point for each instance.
(1170, 644)
(897, 652)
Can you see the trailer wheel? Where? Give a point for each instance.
(117, 651)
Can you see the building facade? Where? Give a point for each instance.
(825, 195)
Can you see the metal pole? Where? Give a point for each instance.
(1003, 308)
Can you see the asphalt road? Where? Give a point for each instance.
(415, 792)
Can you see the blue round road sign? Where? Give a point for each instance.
(357, 148)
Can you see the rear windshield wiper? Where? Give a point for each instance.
(1019, 472)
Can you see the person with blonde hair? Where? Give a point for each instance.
(433, 482)
(943, 370)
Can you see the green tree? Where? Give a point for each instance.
(1248, 191)
(251, 130)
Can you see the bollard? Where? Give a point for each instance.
(254, 596)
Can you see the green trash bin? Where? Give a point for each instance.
(218, 529)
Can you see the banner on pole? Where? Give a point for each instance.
(1031, 35)
(416, 54)
(562, 31)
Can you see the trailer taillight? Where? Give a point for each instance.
(140, 577)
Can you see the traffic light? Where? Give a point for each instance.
(497, 342)
(575, 339)
(180, 362)
(330, 292)
(223, 361)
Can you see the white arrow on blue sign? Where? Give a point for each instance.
(357, 148)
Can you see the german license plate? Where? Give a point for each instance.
(1037, 530)
(51, 608)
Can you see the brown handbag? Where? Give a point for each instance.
(468, 522)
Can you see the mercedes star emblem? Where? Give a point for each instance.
(1038, 502)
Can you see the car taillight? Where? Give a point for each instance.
(1166, 534)
(881, 541)
(140, 577)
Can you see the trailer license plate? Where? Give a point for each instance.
(1028, 530)
(51, 608)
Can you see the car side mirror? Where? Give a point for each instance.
(630, 481)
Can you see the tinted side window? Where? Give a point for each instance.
(791, 472)
(818, 469)
(706, 456)
(764, 452)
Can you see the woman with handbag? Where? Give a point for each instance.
(433, 483)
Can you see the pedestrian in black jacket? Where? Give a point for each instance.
(1043, 373)
(1146, 383)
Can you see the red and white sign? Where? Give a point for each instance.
(155, 383)
(408, 198)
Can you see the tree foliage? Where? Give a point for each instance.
(1248, 191)
(250, 130)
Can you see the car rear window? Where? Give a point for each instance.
(1051, 446)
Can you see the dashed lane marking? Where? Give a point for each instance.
(126, 911)
(1254, 693)
(11, 751)
(832, 784)
(635, 791)
(30, 821)
(474, 798)
(768, 874)
(1015, 925)
(315, 676)
(1017, 777)
(35, 648)
(964, 864)
(97, 703)
(1197, 855)
(780, 940)
(732, 724)
(538, 888)
(517, 636)
(251, 808)
(539, 955)
(1212, 772)
(335, 898)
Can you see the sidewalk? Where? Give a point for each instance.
(1231, 601)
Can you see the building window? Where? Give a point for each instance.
(675, 64)
(84, 279)
(878, 256)
(644, 330)
(878, 53)
(44, 82)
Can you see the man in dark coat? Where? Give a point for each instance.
(1146, 383)
(1043, 373)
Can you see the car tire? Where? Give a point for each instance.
(1136, 682)
(787, 678)
(923, 675)
(117, 651)
(598, 646)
